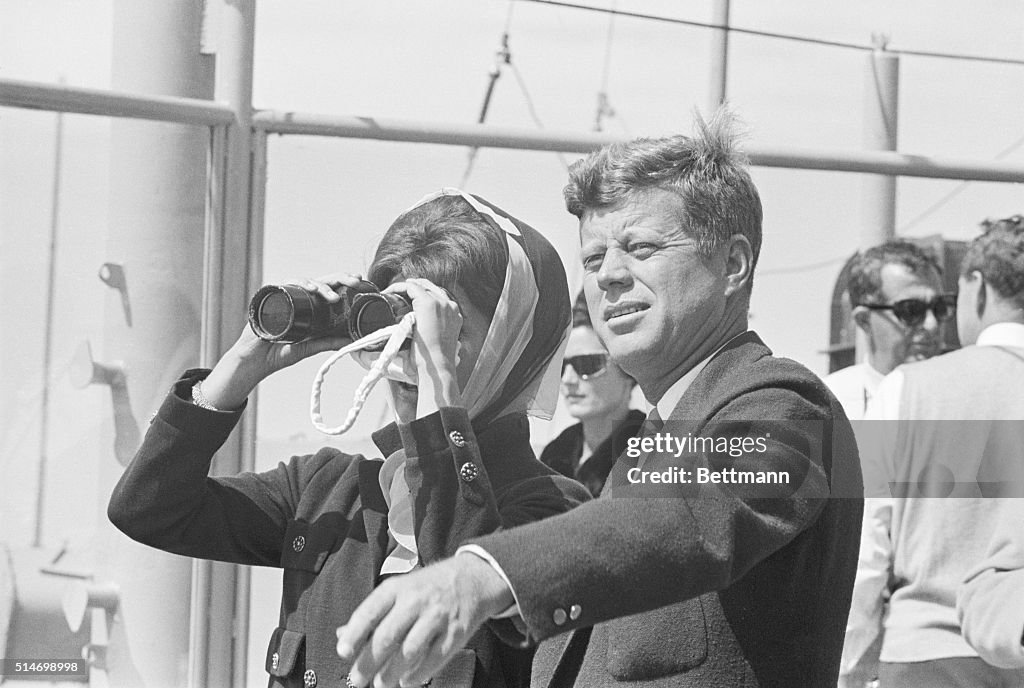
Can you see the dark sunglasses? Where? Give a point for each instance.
(587, 365)
(912, 312)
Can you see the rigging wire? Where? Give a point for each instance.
(604, 107)
(504, 57)
(529, 106)
(956, 190)
(804, 268)
(912, 223)
(777, 35)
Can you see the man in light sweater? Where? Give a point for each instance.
(937, 481)
(895, 292)
(991, 600)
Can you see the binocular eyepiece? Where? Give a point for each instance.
(287, 313)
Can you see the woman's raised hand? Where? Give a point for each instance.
(435, 342)
(251, 359)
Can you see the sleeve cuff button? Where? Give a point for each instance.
(468, 472)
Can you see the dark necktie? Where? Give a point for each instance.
(654, 421)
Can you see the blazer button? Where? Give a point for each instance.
(309, 679)
(575, 611)
(468, 472)
(457, 439)
(298, 543)
(275, 661)
(559, 617)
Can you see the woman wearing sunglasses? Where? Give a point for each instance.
(597, 393)
(491, 312)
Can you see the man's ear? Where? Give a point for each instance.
(979, 302)
(862, 317)
(739, 264)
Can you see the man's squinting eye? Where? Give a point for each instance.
(592, 261)
(641, 249)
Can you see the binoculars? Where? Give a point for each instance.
(287, 313)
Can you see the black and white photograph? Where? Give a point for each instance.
(511, 344)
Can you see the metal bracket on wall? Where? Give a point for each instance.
(84, 371)
(113, 276)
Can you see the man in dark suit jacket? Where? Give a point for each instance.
(700, 565)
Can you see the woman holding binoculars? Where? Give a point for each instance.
(491, 310)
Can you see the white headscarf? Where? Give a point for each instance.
(510, 332)
(508, 337)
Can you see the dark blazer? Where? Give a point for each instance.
(563, 453)
(323, 519)
(709, 584)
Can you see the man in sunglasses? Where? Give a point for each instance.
(896, 293)
(664, 583)
(941, 445)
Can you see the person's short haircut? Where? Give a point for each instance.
(705, 170)
(447, 242)
(998, 254)
(865, 280)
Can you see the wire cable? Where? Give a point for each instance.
(777, 35)
(803, 268)
(531, 108)
(912, 223)
(502, 56)
(955, 191)
(604, 106)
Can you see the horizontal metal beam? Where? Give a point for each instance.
(885, 162)
(478, 135)
(488, 136)
(91, 101)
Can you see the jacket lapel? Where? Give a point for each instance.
(565, 656)
(735, 355)
(375, 515)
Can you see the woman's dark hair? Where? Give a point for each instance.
(449, 243)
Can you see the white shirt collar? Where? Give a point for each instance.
(1002, 334)
(670, 399)
(872, 379)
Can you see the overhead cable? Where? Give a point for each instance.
(777, 35)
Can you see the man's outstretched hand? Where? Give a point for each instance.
(411, 625)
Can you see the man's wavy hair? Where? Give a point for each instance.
(706, 170)
(998, 254)
(865, 280)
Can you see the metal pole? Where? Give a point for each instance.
(36, 95)
(247, 428)
(516, 138)
(220, 605)
(51, 282)
(719, 54)
(157, 192)
(881, 99)
(881, 102)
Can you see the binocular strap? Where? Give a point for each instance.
(396, 336)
